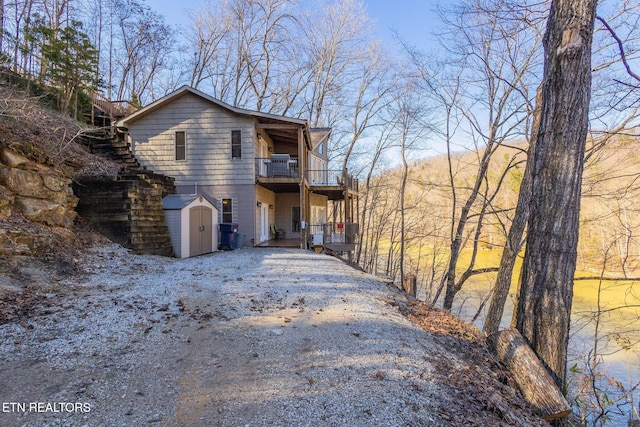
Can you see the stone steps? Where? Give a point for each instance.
(128, 208)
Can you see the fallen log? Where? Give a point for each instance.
(531, 376)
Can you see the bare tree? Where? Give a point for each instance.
(14, 17)
(1, 26)
(371, 93)
(408, 112)
(369, 237)
(503, 54)
(210, 28)
(331, 51)
(141, 45)
(514, 242)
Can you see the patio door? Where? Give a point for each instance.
(262, 164)
(264, 222)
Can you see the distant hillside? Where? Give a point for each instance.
(610, 218)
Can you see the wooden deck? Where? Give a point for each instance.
(340, 247)
(280, 243)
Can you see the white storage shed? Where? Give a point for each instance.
(192, 220)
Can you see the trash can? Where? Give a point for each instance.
(228, 232)
(239, 240)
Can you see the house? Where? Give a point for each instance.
(268, 173)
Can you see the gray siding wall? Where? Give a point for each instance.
(208, 143)
(243, 201)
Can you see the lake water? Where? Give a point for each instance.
(618, 329)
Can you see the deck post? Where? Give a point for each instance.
(302, 167)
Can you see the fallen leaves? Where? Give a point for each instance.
(474, 381)
(21, 306)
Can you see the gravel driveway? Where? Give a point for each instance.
(258, 337)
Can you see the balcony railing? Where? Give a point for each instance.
(340, 232)
(331, 178)
(333, 233)
(277, 167)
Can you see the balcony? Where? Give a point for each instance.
(279, 173)
(332, 183)
(277, 166)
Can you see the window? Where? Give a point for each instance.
(181, 145)
(236, 144)
(295, 219)
(227, 210)
(321, 148)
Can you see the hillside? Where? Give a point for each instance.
(604, 349)
(609, 209)
(39, 156)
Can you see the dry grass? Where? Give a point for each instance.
(43, 135)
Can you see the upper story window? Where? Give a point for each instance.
(181, 145)
(236, 144)
(321, 148)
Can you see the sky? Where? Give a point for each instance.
(414, 20)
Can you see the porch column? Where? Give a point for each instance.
(302, 170)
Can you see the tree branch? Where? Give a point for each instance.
(621, 49)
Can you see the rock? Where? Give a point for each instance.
(156, 418)
(12, 158)
(45, 212)
(18, 242)
(40, 192)
(23, 182)
(36, 184)
(55, 182)
(6, 201)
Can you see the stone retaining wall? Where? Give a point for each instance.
(36, 192)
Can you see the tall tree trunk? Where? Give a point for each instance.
(403, 187)
(1, 25)
(452, 285)
(546, 289)
(516, 231)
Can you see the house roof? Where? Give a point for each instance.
(318, 136)
(180, 201)
(281, 127)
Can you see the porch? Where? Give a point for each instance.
(334, 237)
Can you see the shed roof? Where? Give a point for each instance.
(180, 201)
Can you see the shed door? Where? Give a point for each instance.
(200, 230)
